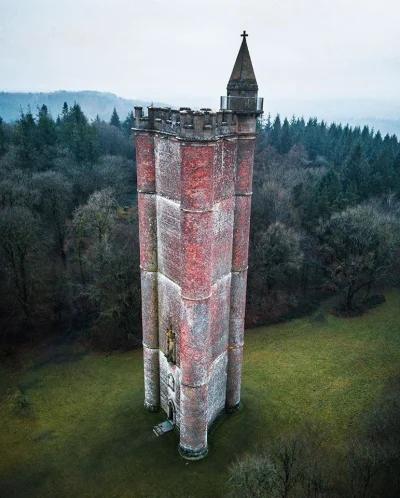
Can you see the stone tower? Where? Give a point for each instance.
(194, 192)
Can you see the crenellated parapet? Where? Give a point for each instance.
(186, 123)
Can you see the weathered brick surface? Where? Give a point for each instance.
(220, 307)
(197, 176)
(169, 312)
(168, 167)
(169, 240)
(148, 262)
(236, 331)
(145, 160)
(224, 171)
(178, 396)
(149, 287)
(244, 167)
(151, 377)
(233, 384)
(197, 251)
(238, 294)
(148, 231)
(236, 338)
(194, 416)
(217, 386)
(195, 342)
(169, 390)
(221, 237)
(164, 372)
(241, 230)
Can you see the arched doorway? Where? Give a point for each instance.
(171, 412)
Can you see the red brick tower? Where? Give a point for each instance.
(194, 191)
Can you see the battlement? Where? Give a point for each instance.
(186, 123)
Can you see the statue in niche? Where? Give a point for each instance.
(170, 354)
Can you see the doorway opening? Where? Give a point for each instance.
(171, 412)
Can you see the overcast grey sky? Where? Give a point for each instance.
(182, 52)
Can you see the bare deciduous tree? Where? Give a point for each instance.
(254, 476)
(55, 196)
(359, 244)
(107, 252)
(19, 242)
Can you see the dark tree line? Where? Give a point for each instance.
(325, 218)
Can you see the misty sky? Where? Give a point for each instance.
(182, 52)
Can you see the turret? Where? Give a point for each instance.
(242, 89)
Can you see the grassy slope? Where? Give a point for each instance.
(88, 435)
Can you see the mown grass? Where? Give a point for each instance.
(85, 433)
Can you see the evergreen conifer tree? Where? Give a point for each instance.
(355, 172)
(285, 142)
(275, 135)
(65, 112)
(25, 137)
(79, 136)
(114, 121)
(268, 123)
(46, 128)
(2, 138)
(127, 125)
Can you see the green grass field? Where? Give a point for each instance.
(86, 434)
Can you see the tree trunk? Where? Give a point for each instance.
(349, 298)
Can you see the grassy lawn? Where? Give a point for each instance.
(85, 433)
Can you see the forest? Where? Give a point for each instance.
(68, 229)
(325, 216)
(325, 220)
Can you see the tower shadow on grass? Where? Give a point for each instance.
(133, 460)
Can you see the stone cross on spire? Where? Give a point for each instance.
(243, 77)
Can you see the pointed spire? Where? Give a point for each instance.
(243, 77)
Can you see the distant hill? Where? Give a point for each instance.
(92, 103)
(383, 115)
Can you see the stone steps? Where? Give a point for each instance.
(162, 428)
